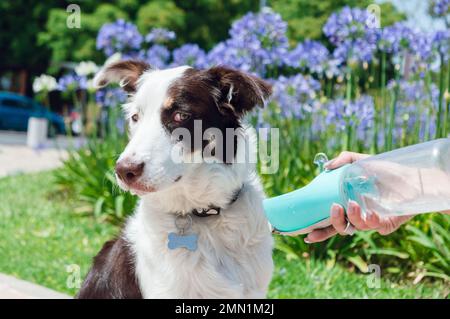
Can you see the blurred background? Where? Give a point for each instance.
(347, 75)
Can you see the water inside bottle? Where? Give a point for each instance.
(372, 195)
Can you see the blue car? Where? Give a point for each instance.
(15, 110)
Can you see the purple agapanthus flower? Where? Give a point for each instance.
(219, 54)
(364, 109)
(71, 82)
(120, 36)
(350, 24)
(160, 35)
(189, 54)
(296, 96)
(110, 97)
(441, 8)
(257, 42)
(157, 56)
(308, 55)
(353, 33)
(230, 54)
(359, 114)
(441, 43)
(421, 46)
(416, 107)
(354, 51)
(332, 68)
(400, 39)
(423, 52)
(395, 38)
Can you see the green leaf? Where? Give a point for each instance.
(358, 262)
(98, 206)
(389, 252)
(287, 249)
(119, 206)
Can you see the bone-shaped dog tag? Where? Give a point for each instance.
(182, 241)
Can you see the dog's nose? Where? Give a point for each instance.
(129, 172)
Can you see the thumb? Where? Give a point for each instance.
(345, 158)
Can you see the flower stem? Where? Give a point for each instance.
(348, 145)
(383, 85)
(47, 100)
(439, 128)
(392, 109)
(447, 99)
(349, 87)
(430, 114)
(349, 98)
(330, 88)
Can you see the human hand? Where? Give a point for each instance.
(358, 221)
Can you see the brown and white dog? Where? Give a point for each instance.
(232, 257)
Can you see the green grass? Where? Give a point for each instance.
(40, 235)
(309, 278)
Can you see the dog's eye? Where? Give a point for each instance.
(180, 117)
(135, 118)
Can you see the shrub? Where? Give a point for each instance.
(89, 174)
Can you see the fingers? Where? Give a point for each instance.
(338, 218)
(345, 158)
(338, 224)
(385, 225)
(390, 224)
(338, 221)
(319, 235)
(373, 220)
(354, 215)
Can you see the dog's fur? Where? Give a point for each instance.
(234, 254)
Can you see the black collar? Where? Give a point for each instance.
(215, 210)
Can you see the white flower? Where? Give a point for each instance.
(86, 68)
(44, 83)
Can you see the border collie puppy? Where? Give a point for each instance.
(199, 230)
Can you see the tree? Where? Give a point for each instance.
(204, 22)
(73, 44)
(20, 53)
(161, 13)
(207, 21)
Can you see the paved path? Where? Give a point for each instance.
(13, 288)
(16, 158)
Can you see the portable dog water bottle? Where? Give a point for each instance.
(406, 181)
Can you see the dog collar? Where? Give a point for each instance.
(184, 238)
(215, 210)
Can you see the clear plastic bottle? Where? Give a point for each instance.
(409, 180)
(406, 181)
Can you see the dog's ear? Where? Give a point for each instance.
(126, 73)
(239, 92)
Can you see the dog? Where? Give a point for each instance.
(199, 229)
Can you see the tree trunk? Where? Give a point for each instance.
(22, 87)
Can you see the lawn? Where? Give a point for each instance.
(41, 238)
